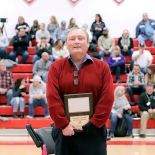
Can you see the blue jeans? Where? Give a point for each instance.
(9, 95)
(36, 57)
(20, 104)
(142, 38)
(102, 55)
(114, 118)
(2, 52)
(34, 103)
(143, 70)
(24, 55)
(44, 77)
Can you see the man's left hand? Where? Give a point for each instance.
(89, 129)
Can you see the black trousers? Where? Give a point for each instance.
(80, 144)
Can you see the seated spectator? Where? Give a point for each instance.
(6, 82)
(150, 76)
(92, 46)
(142, 57)
(145, 29)
(42, 47)
(146, 105)
(60, 32)
(42, 32)
(135, 83)
(4, 42)
(41, 66)
(59, 50)
(20, 44)
(35, 27)
(18, 101)
(126, 45)
(97, 28)
(52, 26)
(106, 44)
(72, 23)
(37, 96)
(120, 109)
(22, 25)
(117, 63)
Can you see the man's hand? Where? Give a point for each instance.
(41, 74)
(32, 36)
(106, 52)
(96, 28)
(38, 96)
(69, 130)
(23, 94)
(51, 36)
(22, 86)
(137, 83)
(125, 47)
(119, 115)
(43, 45)
(100, 29)
(126, 108)
(150, 111)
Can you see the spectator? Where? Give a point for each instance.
(35, 27)
(135, 83)
(92, 46)
(6, 82)
(142, 57)
(22, 25)
(60, 32)
(146, 105)
(126, 44)
(52, 27)
(42, 33)
(20, 43)
(97, 28)
(59, 50)
(18, 101)
(105, 43)
(117, 63)
(37, 96)
(120, 109)
(72, 23)
(150, 76)
(41, 47)
(41, 66)
(3, 45)
(145, 29)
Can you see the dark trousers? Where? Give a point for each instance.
(95, 38)
(135, 91)
(117, 68)
(79, 144)
(92, 47)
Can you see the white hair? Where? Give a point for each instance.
(119, 91)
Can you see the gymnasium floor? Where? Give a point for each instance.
(117, 146)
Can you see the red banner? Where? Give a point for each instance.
(29, 1)
(118, 1)
(74, 1)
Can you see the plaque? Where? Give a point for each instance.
(78, 108)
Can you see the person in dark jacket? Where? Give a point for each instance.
(20, 43)
(42, 47)
(97, 28)
(18, 101)
(146, 105)
(34, 29)
(126, 45)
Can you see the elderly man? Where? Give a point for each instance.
(145, 29)
(146, 105)
(42, 33)
(41, 66)
(6, 82)
(76, 74)
(60, 32)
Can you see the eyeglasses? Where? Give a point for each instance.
(76, 80)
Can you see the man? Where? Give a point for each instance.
(41, 66)
(145, 29)
(142, 57)
(60, 32)
(146, 105)
(37, 96)
(135, 83)
(105, 43)
(20, 44)
(79, 73)
(42, 32)
(126, 44)
(6, 82)
(42, 47)
(4, 42)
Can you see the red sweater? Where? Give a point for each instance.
(93, 77)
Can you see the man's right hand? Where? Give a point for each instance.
(150, 111)
(69, 130)
(119, 115)
(41, 74)
(106, 52)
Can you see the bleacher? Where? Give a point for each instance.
(25, 71)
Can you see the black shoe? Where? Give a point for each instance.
(131, 135)
(142, 136)
(22, 115)
(15, 115)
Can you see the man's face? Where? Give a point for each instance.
(125, 34)
(42, 27)
(136, 69)
(2, 67)
(36, 83)
(45, 57)
(141, 48)
(43, 41)
(77, 43)
(63, 26)
(145, 17)
(149, 90)
(21, 32)
(105, 33)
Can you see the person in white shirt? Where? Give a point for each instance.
(142, 57)
(59, 50)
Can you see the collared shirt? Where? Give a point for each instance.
(6, 80)
(86, 58)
